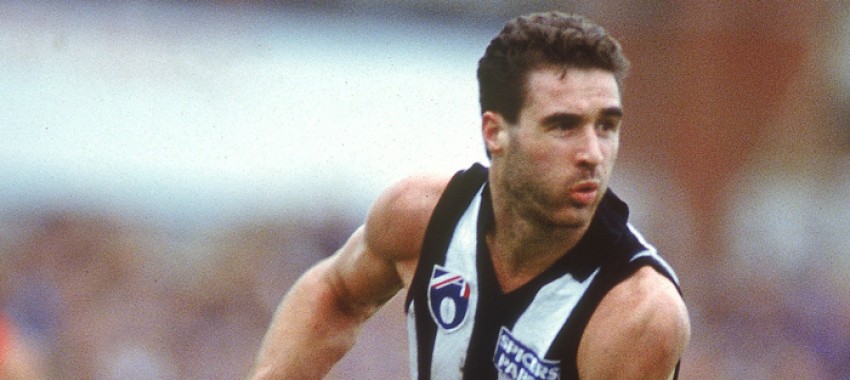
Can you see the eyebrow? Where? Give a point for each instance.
(562, 118)
(565, 118)
(612, 112)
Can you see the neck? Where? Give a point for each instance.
(521, 248)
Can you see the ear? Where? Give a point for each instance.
(494, 129)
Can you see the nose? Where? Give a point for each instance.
(589, 148)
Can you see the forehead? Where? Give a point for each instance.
(578, 91)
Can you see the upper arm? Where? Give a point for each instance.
(638, 331)
(317, 321)
(380, 257)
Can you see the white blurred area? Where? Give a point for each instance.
(202, 111)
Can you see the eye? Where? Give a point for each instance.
(609, 120)
(566, 126)
(564, 122)
(608, 125)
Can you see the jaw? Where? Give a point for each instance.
(542, 200)
(573, 217)
(551, 213)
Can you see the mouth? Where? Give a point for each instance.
(584, 193)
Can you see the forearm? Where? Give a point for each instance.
(311, 330)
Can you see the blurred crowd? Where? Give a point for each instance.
(89, 295)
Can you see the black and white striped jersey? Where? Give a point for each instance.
(462, 326)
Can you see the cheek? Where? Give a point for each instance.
(610, 151)
(528, 150)
(541, 152)
(610, 154)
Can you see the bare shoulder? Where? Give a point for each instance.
(395, 226)
(639, 330)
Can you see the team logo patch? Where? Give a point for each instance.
(448, 298)
(515, 360)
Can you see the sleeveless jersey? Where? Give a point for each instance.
(462, 326)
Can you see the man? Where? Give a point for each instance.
(528, 270)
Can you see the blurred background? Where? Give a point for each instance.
(168, 169)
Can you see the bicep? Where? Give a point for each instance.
(639, 331)
(380, 257)
(318, 320)
(359, 277)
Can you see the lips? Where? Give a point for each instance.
(584, 193)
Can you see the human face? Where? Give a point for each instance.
(553, 165)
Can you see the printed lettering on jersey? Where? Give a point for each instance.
(448, 298)
(514, 360)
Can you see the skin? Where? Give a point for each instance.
(548, 173)
(562, 147)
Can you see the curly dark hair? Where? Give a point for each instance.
(536, 40)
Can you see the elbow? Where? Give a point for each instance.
(264, 370)
(260, 373)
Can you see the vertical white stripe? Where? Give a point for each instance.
(450, 348)
(412, 344)
(538, 326)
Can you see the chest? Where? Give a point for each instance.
(462, 325)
